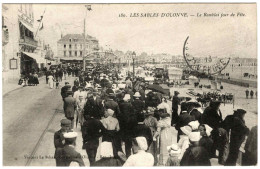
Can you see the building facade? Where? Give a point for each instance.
(18, 19)
(71, 47)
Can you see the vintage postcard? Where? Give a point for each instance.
(145, 84)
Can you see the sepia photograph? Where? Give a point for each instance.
(129, 84)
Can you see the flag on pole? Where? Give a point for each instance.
(39, 20)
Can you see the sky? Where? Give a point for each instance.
(215, 36)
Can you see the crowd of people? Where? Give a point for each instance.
(251, 93)
(138, 127)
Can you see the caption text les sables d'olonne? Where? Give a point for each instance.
(184, 15)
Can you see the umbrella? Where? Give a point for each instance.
(157, 88)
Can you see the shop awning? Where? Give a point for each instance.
(26, 25)
(38, 58)
(71, 58)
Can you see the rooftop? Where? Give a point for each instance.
(78, 37)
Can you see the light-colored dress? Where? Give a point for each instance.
(183, 145)
(50, 81)
(80, 93)
(80, 110)
(140, 159)
(166, 138)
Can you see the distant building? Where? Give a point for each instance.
(71, 47)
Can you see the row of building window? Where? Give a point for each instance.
(75, 53)
(75, 46)
(27, 9)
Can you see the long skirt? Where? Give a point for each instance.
(112, 136)
(166, 139)
(50, 83)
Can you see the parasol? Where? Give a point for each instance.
(157, 88)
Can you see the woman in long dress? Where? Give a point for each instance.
(36, 80)
(111, 135)
(151, 122)
(50, 81)
(166, 133)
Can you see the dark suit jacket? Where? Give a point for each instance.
(183, 120)
(92, 129)
(94, 107)
(211, 118)
(127, 118)
(175, 102)
(68, 154)
(138, 106)
(64, 90)
(69, 106)
(58, 138)
(195, 156)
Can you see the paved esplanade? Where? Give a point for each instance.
(28, 115)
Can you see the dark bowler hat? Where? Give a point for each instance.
(176, 92)
(65, 122)
(240, 111)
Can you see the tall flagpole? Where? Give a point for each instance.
(40, 23)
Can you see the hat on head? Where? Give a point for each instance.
(240, 111)
(110, 112)
(70, 135)
(142, 143)
(65, 122)
(186, 130)
(176, 92)
(74, 164)
(194, 124)
(127, 97)
(208, 129)
(194, 136)
(67, 83)
(137, 94)
(174, 150)
(88, 85)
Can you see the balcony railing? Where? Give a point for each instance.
(28, 41)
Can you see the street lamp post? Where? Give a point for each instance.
(133, 57)
(88, 8)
